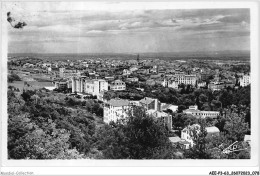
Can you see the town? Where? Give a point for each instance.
(180, 92)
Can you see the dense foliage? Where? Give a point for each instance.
(38, 120)
(13, 77)
(52, 125)
(138, 137)
(187, 96)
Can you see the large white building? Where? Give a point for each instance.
(85, 85)
(245, 80)
(193, 110)
(116, 109)
(178, 79)
(117, 85)
(186, 79)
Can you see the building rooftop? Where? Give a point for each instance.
(183, 142)
(146, 100)
(166, 106)
(198, 111)
(118, 102)
(212, 129)
(117, 81)
(175, 139)
(247, 138)
(156, 114)
(191, 111)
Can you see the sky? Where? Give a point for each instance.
(67, 27)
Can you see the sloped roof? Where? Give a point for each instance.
(146, 100)
(160, 114)
(168, 106)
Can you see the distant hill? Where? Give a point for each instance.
(199, 54)
(238, 54)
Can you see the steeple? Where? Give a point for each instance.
(138, 60)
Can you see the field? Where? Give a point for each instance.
(32, 85)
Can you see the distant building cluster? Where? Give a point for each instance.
(94, 77)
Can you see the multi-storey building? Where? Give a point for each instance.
(85, 85)
(172, 83)
(245, 80)
(186, 79)
(178, 79)
(117, 85)
(116, 109)
(95, 86)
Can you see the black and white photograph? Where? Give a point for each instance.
(121, 81)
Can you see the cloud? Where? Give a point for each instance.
(234, 19)
(164, 29)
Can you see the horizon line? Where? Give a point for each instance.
(139, 52)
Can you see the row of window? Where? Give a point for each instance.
(206, 114)
(118, 88)
(119, 84)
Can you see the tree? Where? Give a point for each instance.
(199, 149)
(40, 108)
(137, 137)
(13, 77)
(217, 144)
(181, 108)
(236, 127)
(220, 123)
(145, 134)
(226, 98)
(40, 144)
(26, 95)
(111, 141)
(180, 120)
